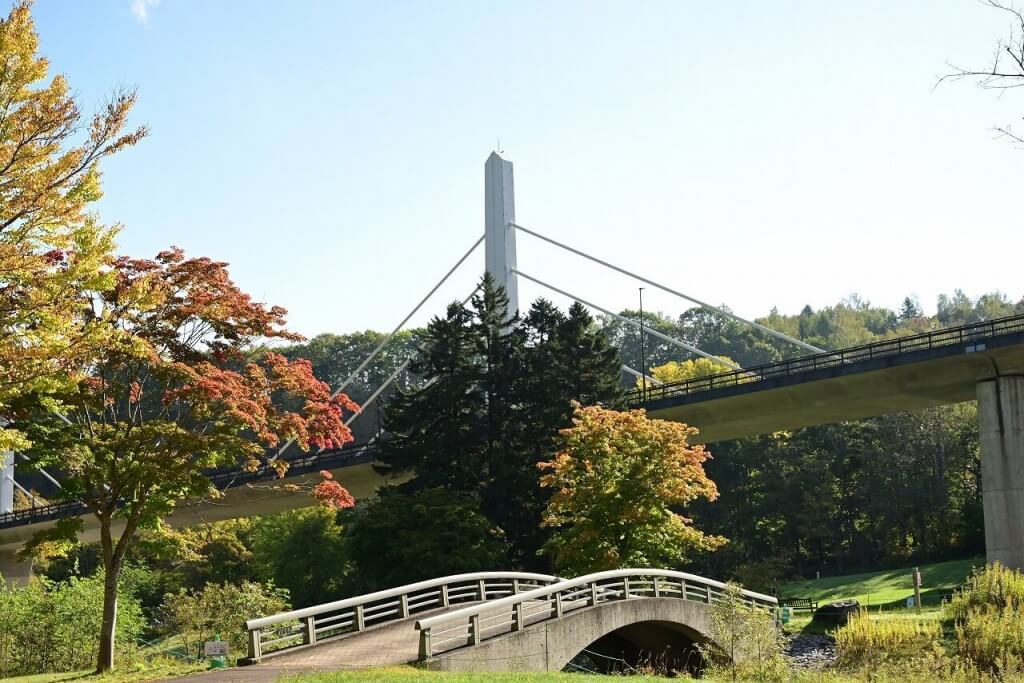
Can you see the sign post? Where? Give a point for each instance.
(216, 650)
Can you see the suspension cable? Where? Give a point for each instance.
(662, 287)
(659, 335)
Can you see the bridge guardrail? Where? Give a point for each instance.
(221, 478)
(474, 624)
(965, 334)
(304, 627)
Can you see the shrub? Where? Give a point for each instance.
(989, 618)
(52, 627)
(747, 642)
(219, 609)
(993, 585)
(865, 642)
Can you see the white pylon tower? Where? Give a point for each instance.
(499, 227)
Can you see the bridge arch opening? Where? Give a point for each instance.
(660, 647)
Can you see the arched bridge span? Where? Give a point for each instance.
(497, 621)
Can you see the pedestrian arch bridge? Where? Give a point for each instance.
(500, 621)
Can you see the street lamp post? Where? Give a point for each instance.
(643, 354)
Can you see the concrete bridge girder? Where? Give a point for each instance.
(550, 645)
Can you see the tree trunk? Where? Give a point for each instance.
(105, 661)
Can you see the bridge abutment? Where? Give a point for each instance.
(1001, 432)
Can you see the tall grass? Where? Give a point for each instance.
(994, 585)
(864, 642)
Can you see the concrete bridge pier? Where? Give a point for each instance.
(1001, 431)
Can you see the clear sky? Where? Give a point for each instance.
(753, 153)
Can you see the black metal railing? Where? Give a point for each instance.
(223, 478)
(965, 334)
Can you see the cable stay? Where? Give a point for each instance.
(389, 337)
(641, 278)
(664, 337)
(640, 375)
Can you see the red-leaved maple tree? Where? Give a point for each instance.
(180, 389)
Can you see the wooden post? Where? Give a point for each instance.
(917, 589)
(558, 605)
(404, 604)
(482, 587)
(444, 595)
(682, 587)
(657, 592)
(625, 588)
(593, 594)
(517, 616)
(515, 586)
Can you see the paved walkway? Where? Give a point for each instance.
(396, 643)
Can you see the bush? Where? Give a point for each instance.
(993, 639)
(993, 585)
(52, 627)
(989, 618)
(219, 609)
(865, 642)
(747, 644)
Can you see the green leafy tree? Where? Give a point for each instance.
(405, 537)
(616, 477)
(303, 552)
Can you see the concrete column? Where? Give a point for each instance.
(15, 573)
(6, 481)
(499, 235)
(1001, 427)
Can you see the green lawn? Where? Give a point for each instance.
(127, 674)
(888, 588)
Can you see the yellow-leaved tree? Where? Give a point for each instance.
(675, 371)
(616, 478)
(52, 250)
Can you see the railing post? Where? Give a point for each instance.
(482, 587)
(255, 651)
(682, 587)
(707, 590)
(360, 624)
(403, 600)
(625, 588)
(558, 605)
(444, 595)
(517, 616)
(515, 586)
(474, 629)
(657, 592)
(425, 648)
(593, 594)
(309, 633)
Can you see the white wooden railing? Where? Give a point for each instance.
(474, 624)
(303, 627)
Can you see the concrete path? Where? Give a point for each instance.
(389, 645)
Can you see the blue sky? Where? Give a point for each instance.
(753, 153)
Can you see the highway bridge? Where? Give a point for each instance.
(501, 621)
(983, 361)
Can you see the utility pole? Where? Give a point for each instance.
(643, 354)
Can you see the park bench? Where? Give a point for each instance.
(796, 604)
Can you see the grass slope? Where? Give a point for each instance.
(888, 588)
